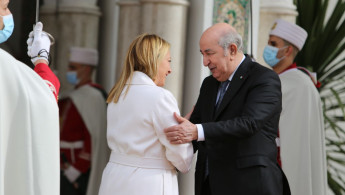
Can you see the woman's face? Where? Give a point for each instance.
(163, 70)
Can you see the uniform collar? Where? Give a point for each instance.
(292, 66)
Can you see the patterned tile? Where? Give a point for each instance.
(236, 13)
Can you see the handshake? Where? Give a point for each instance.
(38, 45)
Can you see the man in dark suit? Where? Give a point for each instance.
(234, 133)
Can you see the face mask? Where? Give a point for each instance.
(8, 28)
(270, 55)
(72, 77)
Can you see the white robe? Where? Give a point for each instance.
(302, 137)
(91, 105)
(143, 161)
(29, 132)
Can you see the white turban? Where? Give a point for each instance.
(87, 56)
(289, 32)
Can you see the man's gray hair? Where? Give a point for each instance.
(229, 38)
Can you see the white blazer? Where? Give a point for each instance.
(142, 159)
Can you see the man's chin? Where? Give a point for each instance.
(216, 76)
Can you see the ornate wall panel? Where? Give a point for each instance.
(236, 13)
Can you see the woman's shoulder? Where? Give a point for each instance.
(163, 94)
(152, 93)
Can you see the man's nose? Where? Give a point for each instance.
(206, 61)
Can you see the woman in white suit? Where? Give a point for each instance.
(142, 160)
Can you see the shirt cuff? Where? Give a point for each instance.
(201, 136)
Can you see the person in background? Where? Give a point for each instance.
(29, 120)
(301, 125)
(235, 121)
(142, 160)
(83, 148)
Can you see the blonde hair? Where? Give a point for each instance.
(144, 54)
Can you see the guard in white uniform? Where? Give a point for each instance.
(83, 148)
(29, 117)
(301, 126)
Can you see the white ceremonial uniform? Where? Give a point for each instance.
(29, 132)
(142, 160)
(91, 105)
(302, 137)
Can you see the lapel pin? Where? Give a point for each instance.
(241, 77)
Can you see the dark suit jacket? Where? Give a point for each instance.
(240, 135)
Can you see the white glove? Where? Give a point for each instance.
(38, 44)
(72, 173)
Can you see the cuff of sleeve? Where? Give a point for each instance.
(201, 136)
(72, 173)
(39, 65)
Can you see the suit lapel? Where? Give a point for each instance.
(213, 96)
(235, 84)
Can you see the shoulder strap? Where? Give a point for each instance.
(100, 89)
(306, 71)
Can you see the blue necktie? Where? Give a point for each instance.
(221, 93)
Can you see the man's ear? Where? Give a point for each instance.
(289, 50)
(233, 49)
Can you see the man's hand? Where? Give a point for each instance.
(38, 45)
(184, 132)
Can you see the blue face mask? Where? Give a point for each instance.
(270, 55)
(8, 28)
(72, 77)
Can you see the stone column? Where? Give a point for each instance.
(270, 10)
(108, 43)
(168, 19)
(255, 25)
(49, 4)
(195, 72)
(128, 29)
(72, 23)
(200, 18)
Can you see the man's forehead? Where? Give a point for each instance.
(207, 50)
(208, 44)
